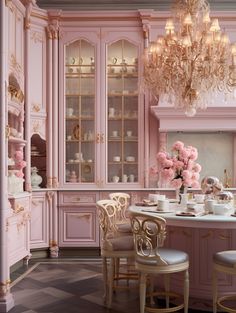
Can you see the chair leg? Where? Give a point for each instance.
(214, 290)
(186, 291)
(167, 289)
(105, 282)
(142, 292)
(117, 270)
(111, 281)
(151, 289)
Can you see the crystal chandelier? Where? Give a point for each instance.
(191, 61)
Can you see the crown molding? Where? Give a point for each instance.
(162, 5)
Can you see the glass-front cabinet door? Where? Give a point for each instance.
(80, 112)
(102, 118)
(122, 112)
(77, 136)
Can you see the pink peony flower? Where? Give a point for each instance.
(161, 156)
(18, 156)
(167, 174)
(186, 174)
(195, 176)
(180, 169)
(197, 168)
(195, 184)
(178, 145)
(168, 163)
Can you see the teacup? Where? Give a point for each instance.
(163, 205)
(115, 179)
(209, 204)
(155, 197)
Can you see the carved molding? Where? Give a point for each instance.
(38, 127)
(37, 37)
(49, 195)
(9, 4)
(53, 30)
(4, 288)
(25, 218)
(55, 182)
(35, 107)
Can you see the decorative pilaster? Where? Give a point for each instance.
(49, 107)
(53, 216)
(29, 6)
(53, 31)
(6, 298)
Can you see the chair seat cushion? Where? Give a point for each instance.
(124, 228)
(170, 256)
(225, 258)
(122, 243)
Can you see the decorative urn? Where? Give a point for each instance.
(36, 179)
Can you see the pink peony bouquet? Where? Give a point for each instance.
(179, 168)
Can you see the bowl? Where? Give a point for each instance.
(221, 208)
(130, 159)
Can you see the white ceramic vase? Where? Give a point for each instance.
(36, 179)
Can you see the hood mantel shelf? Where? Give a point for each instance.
(212, 119)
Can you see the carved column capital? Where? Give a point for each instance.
(53, 30)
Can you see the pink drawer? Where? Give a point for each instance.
(77, 198)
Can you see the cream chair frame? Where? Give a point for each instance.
(122, 199)
(229, 269)
(114, 246)
(149, 235)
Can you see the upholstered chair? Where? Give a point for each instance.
(223, 262)
(152, 259)
(123, 221)
(114, 246)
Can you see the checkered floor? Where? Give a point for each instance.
(66, 287)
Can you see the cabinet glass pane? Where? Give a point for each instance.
(122, 86)
(80, 112)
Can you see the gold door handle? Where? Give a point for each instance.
(102, 138)
(98, 138)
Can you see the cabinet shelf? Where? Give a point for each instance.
(122, 94)
(123, 75)
(38, 156)
(77, 141)
(79, 75)
(82, 118)
(124, 162)
(80, 95)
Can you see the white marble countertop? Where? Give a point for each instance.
(204, 221)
